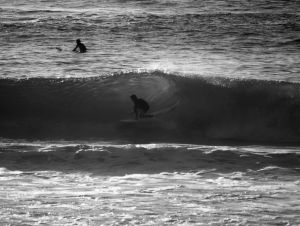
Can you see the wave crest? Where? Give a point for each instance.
(208, 109)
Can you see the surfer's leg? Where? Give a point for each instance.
(142, 113)
(136, 113)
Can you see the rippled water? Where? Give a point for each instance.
(245, 39)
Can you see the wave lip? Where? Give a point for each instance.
(206, 109)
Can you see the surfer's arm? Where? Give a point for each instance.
(75, 48)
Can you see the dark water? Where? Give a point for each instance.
(201, 109)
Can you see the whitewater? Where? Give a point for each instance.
(225, 153)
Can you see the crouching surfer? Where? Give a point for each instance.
(140, 107)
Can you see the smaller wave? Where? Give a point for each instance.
(153, 158)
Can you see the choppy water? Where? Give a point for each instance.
(245, 39)
(229, 70)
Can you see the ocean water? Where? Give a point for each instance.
(222, 78)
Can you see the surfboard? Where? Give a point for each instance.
(132, 120)
(147, 118)
(150, 117)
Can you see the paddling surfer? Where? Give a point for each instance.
(81, 46)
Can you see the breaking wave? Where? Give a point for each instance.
(203, 109)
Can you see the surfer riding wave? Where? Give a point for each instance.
(140, 107)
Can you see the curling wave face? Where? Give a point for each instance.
(203, 109)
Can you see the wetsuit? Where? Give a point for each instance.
(81, 47)
(140, 107)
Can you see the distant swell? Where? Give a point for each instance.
(208, 109)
